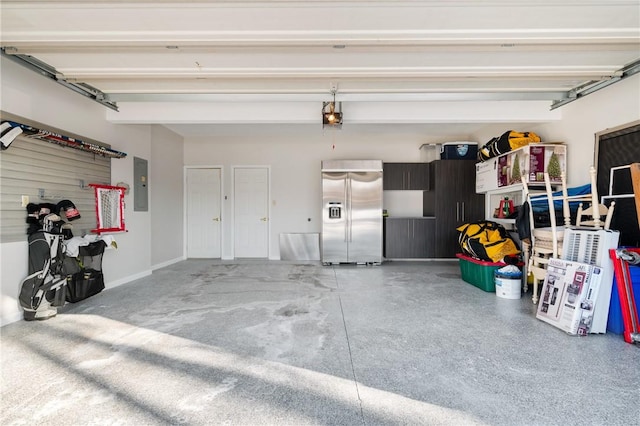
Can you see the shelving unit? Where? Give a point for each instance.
(492, 202)
(515, 193)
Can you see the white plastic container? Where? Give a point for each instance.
(429, 152)
(508, 286)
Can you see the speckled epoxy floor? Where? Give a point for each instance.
(263, 342)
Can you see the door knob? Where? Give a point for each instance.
(264, 219)
(216, 219)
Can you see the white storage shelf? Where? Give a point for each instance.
(492, 202)
(515, 193)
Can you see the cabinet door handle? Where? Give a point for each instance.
(463, 215)
(457, 211)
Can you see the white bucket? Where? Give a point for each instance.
(508, 288)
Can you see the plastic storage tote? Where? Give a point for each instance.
(459, 151)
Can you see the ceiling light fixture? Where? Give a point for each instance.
(332, 113)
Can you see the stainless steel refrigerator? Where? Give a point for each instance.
(351, 211)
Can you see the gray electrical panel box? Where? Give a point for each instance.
(141, 185)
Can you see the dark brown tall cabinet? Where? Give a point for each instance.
(452, 201)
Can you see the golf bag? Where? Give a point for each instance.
(44, 289)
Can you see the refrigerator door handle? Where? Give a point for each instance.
(347, 210)
(463, 219)
(350, 224)
(457, 211)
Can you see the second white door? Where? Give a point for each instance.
(251, 212)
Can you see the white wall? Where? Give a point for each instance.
(294, 153)
(607, 108)
(27, 94)
(166, 195)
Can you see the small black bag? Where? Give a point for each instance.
(84, 284)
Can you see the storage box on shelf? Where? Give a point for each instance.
(530, 161)
(430, 152)
(487, 175)
(459, 151)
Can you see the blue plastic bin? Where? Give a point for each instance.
(615, 324)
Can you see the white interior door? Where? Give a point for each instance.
(203, 213)
(251, 212)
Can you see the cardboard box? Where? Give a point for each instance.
(569, 295)
(487, 175)
(532, 161)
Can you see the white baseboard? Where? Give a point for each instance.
(168, 262)
(116, 283)
(15, 317)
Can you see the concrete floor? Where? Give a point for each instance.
(281, 343)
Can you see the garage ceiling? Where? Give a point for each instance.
(298, 51)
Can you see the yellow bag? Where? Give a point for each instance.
(506, 142)
(520, 139)
(486, 240)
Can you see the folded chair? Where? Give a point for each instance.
(545, 242)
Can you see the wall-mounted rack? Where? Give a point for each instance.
(43, 195)
(48, 136)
